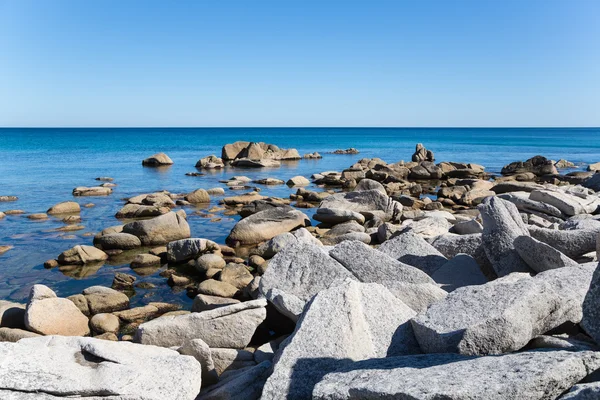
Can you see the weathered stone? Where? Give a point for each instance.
(591, 308)
(460, 271)
(104, 300)
(209, 261)
(501, 225)
(368, 201)
(201, 352)
(156, 160)
(187, 249)
(66, 207)
(14, 335)
(247, 384)
(338, 216)
(118, 241)
(411, 249)
(141, 211)
(203, 302)
(198, 196)
(81, 254)
(12, 314)
(230, 326)
(210, 162)
(573, 244)
(365, 319)
(236, 275)
(159, 230)
(144, 261)
(540, 256)
(213, 287)
(583, 391)
(468, 227)
(92, 191)
(533, 375)
(265, 225)
(429, 227)
(137, 313)
(102, 323)
(226, 360)
(569, 205)
(538, 165)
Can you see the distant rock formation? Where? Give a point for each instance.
(422, 154)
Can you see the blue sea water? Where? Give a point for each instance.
(42, 166)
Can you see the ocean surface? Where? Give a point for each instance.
(42, 166)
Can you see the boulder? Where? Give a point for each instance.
(368, 201)
(212, 287)
(209, 261)
(593, 182)
(350, 322)
(275, 245)
(104, 322)
(572, 243)
(540, 256)
(532, 375)
(248, 163)
(537, 165)
(245, 384)
(187, 249)
(298, 181)
(141, 211)
(13, 335)
(568, 204)
(525, 204)
(12, 314)
(230, 326)
(117, 241)
(369, 184)
(591, 308)
(337, 216)
(103, 299)
(467, 227)
(201, 352)
(203, 302)
(92, 191)
(497, 317)
(514, 186)
(198, 196)
(81, 254)
(48, 314)
(156, 160)
(265, 225)
(92, 368)
(66, 207)
(583, 391)
(429, 227)
(145, 261)
(412, 249)
(422, 154)
(227, 360)
(210, 162)
(502, 224)
(160, 230)
(462, 270)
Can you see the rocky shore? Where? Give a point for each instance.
(411, 280)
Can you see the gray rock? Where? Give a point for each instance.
(338, 216)
(15, 334)
(460, 271)
(12, 314)
(245, 385)
(514, 186)
(81, 254)
(430, 226)
(354, 236)
(203, 302)
(118, 241)
(230, 326)
(141, 211)
(301, 270)
(593, 182)
(583, 391)
(533, 375)
(350, 322)
(412, 249)
(567, 204)
(187, 249)
(591, 308)
(501, 225)
(468, 227)
(201, 352)
(498, 317)
(95, 369)
(226, 360)
(573, 244)
(267, 351)
(160, 230)
(365, 201)
(156, 160)
(369, 184)
(578, 223)
(265, 225)
(540, 256)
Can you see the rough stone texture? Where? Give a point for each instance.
(573, 244)
(498, 317)
(81, 254)
(460, 271)
(338, 216)
(141, 211)
(533, 375)
(593, 182)
(514, 186)
(540, 256)
(569, 205)
(157, 159)
(267, 224)
(102, 323)
(502, 224)
(66, 207)
(198, 196)
(203, 302)
(227, 360)
(298, 181)
(236, 275)
(160, 230)
(369, 184)
(187, 249)
(119, 241)
(468, 227)
(244, 385)
(210, 162)
(350, 322)
(524, 203)
(537, 165)
(300, 271)
(429, 227)
(201, 352)
(212, 287)
(591, 308)
(47, 314)
(95, 369)
(583, 391)
(368, 201)
(209, 261)
(230, 326)
(104, 300)
(15, 334)
(412, 249)
(92, 191)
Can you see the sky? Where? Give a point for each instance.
(76, 63)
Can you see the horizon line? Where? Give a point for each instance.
(301, 127)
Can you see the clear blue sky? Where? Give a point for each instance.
(300, 63)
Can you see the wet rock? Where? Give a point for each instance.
(119, 241)
(230, 326)
(502, 224)
(198, 196)
(102, 299)
(261, 205)
(537, 165)
(265, 225)
(81, 254)
(144, 261)
(351, 150)
(123, 281)
(141, 211)
(188, 249)
(243, 199)
(48, 314)
(411, 249)
(210, 162)
(92, 191)
(38, 216)
(540, 256)
(156, 160)
(8, 198)
(535, 375)
(66, 207)
(350, 313)
(159, 230)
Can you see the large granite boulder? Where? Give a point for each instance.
(157, 160)
(117, 241)
(245, 384)
(160, 230)
(337, 216)
(412, 249)
(48, 314)
(541, 256)
(367, 202)
(422, 154)
(460, 271)
(572, 243)
(230, 326)
(266, 224)
(350, 322)
(532, 375)
(81, 254)
(66, 207)
(537, 165)
(210, 162)
(188, 249)
(502, 224)
(101, 299)
(591, 308)
(56, 367)
(568, 204)
(257, 151)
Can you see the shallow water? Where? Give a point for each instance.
(42, 166)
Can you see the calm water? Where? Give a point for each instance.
(42, 166)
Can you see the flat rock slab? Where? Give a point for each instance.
(350, 322)
(412, 249)
(541, 256)
(92, 368)
(364, 201)
(535, 375)
(572, 243)
(229, 326)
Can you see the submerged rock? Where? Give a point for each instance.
(157, 160)
(66, 207)
(92, 191)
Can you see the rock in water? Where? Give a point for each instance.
(160, 230)
(367, 201)
(540, 256)
(412, 249)
(48, 314)
(502, 224)
(93, 368)
(422, 154)
(537, 165)
(297, 273)
(591, 308)
(498, 317)
(266, 224)
(230, 326)
(157, 160)
(350, 322)
(81, 255)
(532, 375)
(66, 207)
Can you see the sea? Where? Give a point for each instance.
(43, 166)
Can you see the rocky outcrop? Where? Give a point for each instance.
(267, 224)
(210, 162)
(422, 154)
(157, 160)
(257, 151)
(372, 202)
(537, 165)
(92, 191)
(540, 256)
(411, 249)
